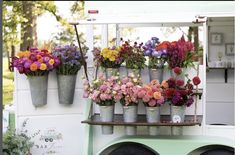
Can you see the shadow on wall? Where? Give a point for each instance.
(213, 150)
(129, 148)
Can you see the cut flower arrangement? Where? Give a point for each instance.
(108, 57)
(133, 55)
(103, 91)
(35, 62)
(70, 59)
(178, 92)
(156, 52)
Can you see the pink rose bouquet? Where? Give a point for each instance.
(152, 94)
(103, 91)
(129, 88)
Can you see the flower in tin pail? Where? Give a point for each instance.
(71, 62)
(36, 64)
(105, 92)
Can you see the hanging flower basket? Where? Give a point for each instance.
(36, 64)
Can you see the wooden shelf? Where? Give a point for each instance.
(199, 93)
(141, 121)
(225, 71)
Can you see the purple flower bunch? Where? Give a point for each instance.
(70, 58)
(157, 56)
(35, 62)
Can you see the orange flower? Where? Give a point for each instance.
(20, 54)
(157, 95)
(51, 61)
(154, 82)
(165, 84)
(43, 66)
(39, 56)
(26, 53)
(33, 67)
(40, 60)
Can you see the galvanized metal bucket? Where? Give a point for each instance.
(156, 74)
(111, 72)
(107, 115)
(153, 116)
(66, 88)
(177, 116)
(136, 72)
(130, 115)
(38, 90)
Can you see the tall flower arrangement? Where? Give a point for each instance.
(35, 62)
(133, 55)
(180, 53)
(70, 59)
(108, 57)
(180, 93)
(156, 52)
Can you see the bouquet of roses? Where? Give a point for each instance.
(156, 52)
(180, 53)
(35, 62)
(179, 93)
(70, 59)
(129, 88)
(152, 94)
(108, 57)
(103, 91)
(133, 55)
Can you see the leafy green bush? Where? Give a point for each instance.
(16, 143)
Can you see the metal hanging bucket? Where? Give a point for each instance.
(107, 115)
(177, 116)
(156, 74)
(66, 88)
(38, 89)
(130, 115)
(111, 72)
(153, 116)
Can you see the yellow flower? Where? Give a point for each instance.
(43, 66)
(51, 61)
(112, 58)
(33, 67)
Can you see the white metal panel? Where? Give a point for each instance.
(64, 131)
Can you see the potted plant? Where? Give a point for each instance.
(36, 64)
(133, 57)
(67, 71)
(105, 92)
(152, 97)
(180, 95)
(180, 54)
(108, 58)
(130, 86)
(157, 55)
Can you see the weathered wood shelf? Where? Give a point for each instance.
(141, 121)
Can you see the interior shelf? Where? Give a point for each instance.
(225, 71)
(141, 121)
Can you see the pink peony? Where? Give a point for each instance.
(161, 100)
(146, 99)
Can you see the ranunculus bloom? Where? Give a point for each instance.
(179, 82)
(196, 80)
(165, 84)
(157, 95)
(177, 70)
(152, 103)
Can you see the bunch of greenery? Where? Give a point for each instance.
(16, 143)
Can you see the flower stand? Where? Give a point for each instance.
(38, 89)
